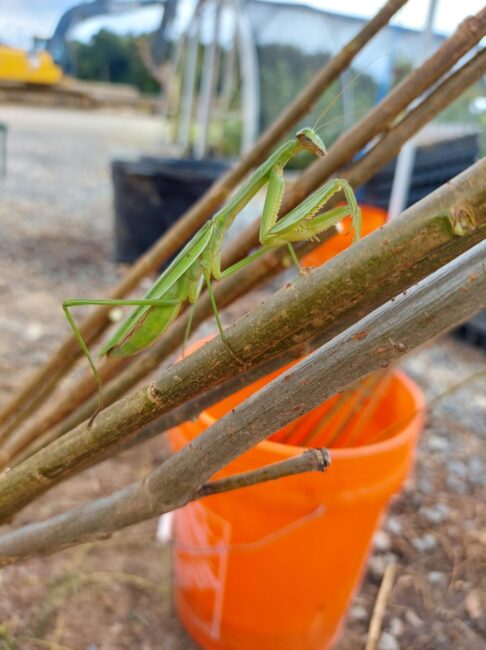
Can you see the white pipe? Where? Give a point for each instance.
(207, 88)
(406, 158)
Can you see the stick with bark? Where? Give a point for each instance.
(450, 295)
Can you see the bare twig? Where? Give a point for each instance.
(46, 378)
(187, 410)
(380, 606)
(447, 297)
(312, 460)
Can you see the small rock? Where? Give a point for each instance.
(435, 514)
(358, 613)
(388, 642)
(456, 484)
(438, 443)
(33, 331)
(425, 543)
(396, 626)
(381, 541)
(394, 525)
(115, 314)
(436, 577)
(457, 467)
(472, 603)
(378, 563)
(409, 485)
(425, 486)
(412, 618)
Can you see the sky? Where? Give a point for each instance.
(20, 20)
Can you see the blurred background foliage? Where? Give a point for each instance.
(113, 58)
(284, 71)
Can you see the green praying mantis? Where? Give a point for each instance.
(200, 259)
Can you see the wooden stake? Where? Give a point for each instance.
(380, 606)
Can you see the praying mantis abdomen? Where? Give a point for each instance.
(155, 321)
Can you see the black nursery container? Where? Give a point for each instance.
(151, 194)
(436, 162)
(474, 330)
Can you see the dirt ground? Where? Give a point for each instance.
(56, 242)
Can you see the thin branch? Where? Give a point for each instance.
(186, 411)
(312, 460)
(46, 378)
(450, 295)
(321, 303)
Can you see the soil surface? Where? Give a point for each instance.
(56, 242)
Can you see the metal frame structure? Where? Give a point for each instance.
(57, 44)
(198, 102)
(200, 87)
(218, 62)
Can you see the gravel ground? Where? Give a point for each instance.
(56, 241)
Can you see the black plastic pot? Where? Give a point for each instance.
(474, 330)
(151, 194)
(434, 165)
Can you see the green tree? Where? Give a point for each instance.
(113, 58)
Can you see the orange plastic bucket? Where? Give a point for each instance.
(373, 218)
(275, 566)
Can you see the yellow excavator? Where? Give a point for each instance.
(22, 67)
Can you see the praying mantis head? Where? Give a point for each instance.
(309, 139)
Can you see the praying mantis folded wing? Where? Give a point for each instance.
(172, 287)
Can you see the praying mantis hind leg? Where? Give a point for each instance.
(79, 338)
(294, 258)
(67, 304)
(207, 278)
(187, 331)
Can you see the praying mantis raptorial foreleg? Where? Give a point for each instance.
(200, 259)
